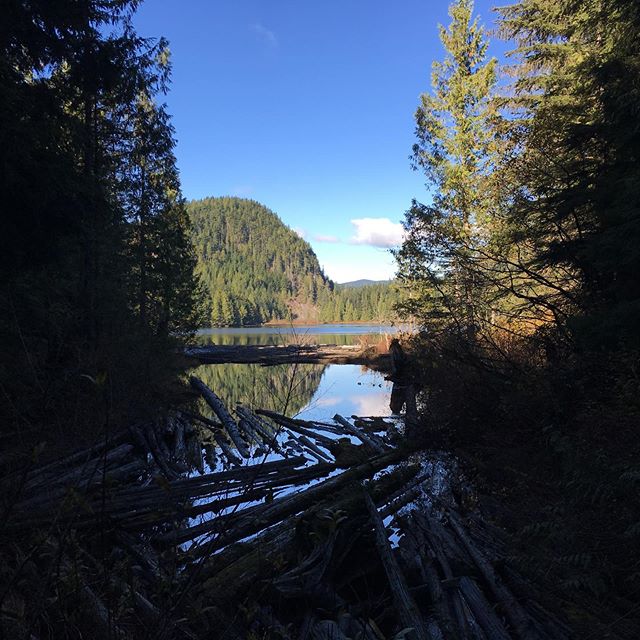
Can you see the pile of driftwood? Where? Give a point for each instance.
(256, 525)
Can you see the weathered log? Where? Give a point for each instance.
(224, 503)
(318, 453)
(137, 507)
(97, 616)
(426, 525)
(220, 439)
(294, 425)
(189, 415)
(482, 610)
(289, 505)
(160, 428)
(408, 611)
(302, 442)
(225, 574)
(269, 437)
(232, 527)
(158, 456)
(517, 616)
(84, 473)
(417, 555)
(145, 557)
(366, 439)
(179, 441)
(221, 411)
(78, 458)
(305, 579)
(251, 436)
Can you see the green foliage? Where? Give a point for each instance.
(254, 268)
(454, 151)
(532, 242)
(575, 136)
(95, 261)
(372, 302)
(281, 388)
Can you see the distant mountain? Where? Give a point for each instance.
(255, 270)
(354, 284)
(254, 267)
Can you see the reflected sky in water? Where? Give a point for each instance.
(315, 392)
(349, 389)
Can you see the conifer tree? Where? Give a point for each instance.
(437, 258)
(575, 214)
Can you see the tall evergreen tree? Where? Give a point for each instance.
(575, 216)
(453, 149)
(86, 164)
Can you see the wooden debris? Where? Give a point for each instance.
(257, 541)
(516, 615)
(221, 411)
(366, 439)
(408, 611)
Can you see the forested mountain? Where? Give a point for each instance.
(256, 270)
(360, 283)
(371, 302)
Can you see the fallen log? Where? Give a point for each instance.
(294, 425)
(424, 525)
(303, 442)
(221, 411)
(408, 611)
(482, 610)
(231, 527)
(220, 439)
(517, 616)
(366, 439)
(289, 505)
(266, 432)
(156, 452)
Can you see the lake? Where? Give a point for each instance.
(289, 334)
(310, 391)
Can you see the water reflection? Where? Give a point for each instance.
(285, 388)
(340, 334)
(313, 392)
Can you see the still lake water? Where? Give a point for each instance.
(309, 391)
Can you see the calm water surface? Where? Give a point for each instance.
(310, 334)
(312, 392)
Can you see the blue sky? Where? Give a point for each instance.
(306, 107)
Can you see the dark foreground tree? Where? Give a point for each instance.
(95, 262)
(576, 136)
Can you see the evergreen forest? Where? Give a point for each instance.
(520, 267)
(97, 267)
(256, 270)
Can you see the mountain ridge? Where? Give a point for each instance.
(255, 270)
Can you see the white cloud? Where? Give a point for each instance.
(377, 232)
(266, 35)
(378, 265)
(321, 238)
(301, 232)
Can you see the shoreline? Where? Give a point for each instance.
(268, 355)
